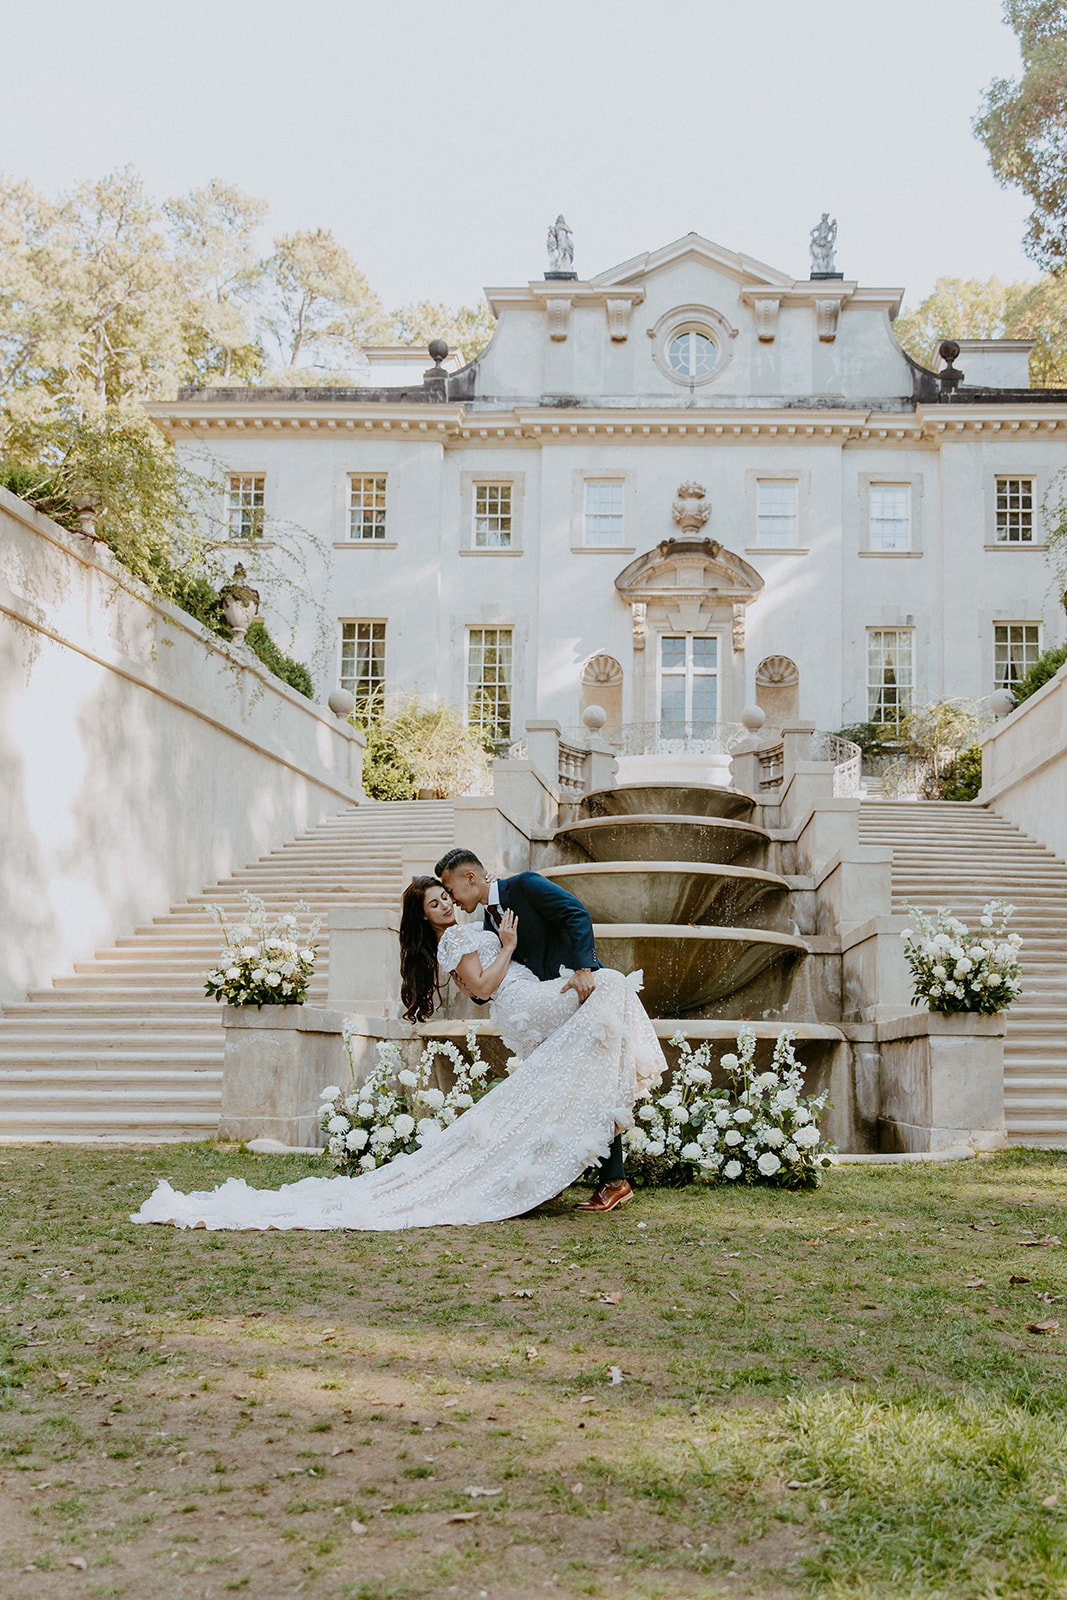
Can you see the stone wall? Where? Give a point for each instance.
(1024, 766)
(141, 757)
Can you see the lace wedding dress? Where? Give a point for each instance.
(577, 1073)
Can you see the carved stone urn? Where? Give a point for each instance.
(240, 603)
(691, 509)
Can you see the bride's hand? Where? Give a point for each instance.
(508, 932)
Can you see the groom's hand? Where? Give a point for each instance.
(582, 984)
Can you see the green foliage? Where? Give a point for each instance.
(870, 736)
(467, 329)
(963, 778)
(422, 747)
(386, 776)
(1045, 667)
(294, 673)
(969, 308)
(1023, 125)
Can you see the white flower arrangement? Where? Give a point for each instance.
(765, 1131)
(955, 969)
(263, 963)
(396, 1109)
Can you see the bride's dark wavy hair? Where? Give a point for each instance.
(419, 987)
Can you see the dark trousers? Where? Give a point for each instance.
(612, 1170)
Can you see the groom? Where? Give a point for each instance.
(555, 930)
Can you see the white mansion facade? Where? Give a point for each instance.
(687, 484)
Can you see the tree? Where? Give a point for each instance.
(323, 305)
(956, 308)
(467, 329)
(214, 243)
(31, 296)
(1023, 125)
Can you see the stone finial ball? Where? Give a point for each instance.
(341, 703)
(438, 350)
(594, 718)
(1001, 703)
(949, 350)
(753, 718)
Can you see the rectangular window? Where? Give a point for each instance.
(890, 673)
(244, 505)
(363, 663)
(776, 512)
(603, 512)
(688, 685)
(492, 516)
(1016, 646)
(1015, 510)
(489, 681)
(890, 516)
(366, 508)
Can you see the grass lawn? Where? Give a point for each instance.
(833, 1394)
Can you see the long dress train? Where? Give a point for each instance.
(579, 1071)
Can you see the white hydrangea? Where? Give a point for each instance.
(698, 1075)
(338, 1124)
(679, 1114)
(408, 1079)
(433, 1098)
(729, 1061)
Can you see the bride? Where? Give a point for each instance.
(577, 1072)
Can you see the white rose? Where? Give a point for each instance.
(940, 971)
(691, 1152)
(433, 1098)
(807, 1136)
(648, 1114)
(308, 956)
(273, 979)
(365, 1109)
(742, 1114)
(766, 1080)
(986, 921)
(699, 1075)
(367, 1162)
(733, 1136)
(729, 1061)
(428, 1127)
(724, 1117)
(656, 1147)
(768, 1163)
(801, 1114)
(259, 974)
(330, 1092)
(463, 1101)
(338, 1124)
(993, 980)
(233, 973)
(250, 950)
(407, 1078)
(791, 1153)
(732, 1169)
(356, 1139)
(679, 1114)
(404, 1125)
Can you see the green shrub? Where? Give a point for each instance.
(294, 673)
(1045, 667)
(963, 779)
(870, 736)
(386, 776)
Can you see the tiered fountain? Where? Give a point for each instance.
(675, 878)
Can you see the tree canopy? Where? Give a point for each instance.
(970, 308)
(1023, 124)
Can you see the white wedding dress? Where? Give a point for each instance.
(579, 1070)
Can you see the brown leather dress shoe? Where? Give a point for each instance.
(608, 1196)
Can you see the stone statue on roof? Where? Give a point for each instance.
(823, 240)
(560, 246)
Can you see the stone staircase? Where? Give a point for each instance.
(960, 856)
(128, 1046)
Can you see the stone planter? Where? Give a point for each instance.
(277, 1061)
(941, 1082)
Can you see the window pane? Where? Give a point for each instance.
(1016, 646)
(489, 681)
(692, 354)
(363, 663)
(244, 505)
(689, 685)
(603, 512)
(889, 673)
(1015, 510)
(366, 516)
(776, 512)
(492, 516)
(672, 653)
(890, 516)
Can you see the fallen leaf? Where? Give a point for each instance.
(1042, 1327)
(449, 1403)
(522, 1294)
(577, 1488)
(79, 1562)
(1034, 1244)
(531, 1352)
(615, 1375)
(815, 1241)
(357, 1527)
(975, 1283)
(1051, 1500)
(586, 1399)
(474, 1493)
(464, 1516)
(609, 1299)
(1017, 1277)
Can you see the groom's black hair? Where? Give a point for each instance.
(459, 857)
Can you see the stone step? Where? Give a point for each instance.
(174, 1055)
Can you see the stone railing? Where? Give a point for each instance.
(669, 738)
(572, 783)
(847, 758)
(771, 766)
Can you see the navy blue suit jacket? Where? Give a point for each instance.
(555, 929)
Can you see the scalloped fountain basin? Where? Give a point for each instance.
(689, 970)
(712, 840)
(667, 799)
(677, 892)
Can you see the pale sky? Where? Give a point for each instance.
(438, 138)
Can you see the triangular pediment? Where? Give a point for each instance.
(689, 570)
(745, 269)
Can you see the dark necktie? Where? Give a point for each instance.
(494, 914)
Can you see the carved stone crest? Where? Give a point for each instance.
(691, 509)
